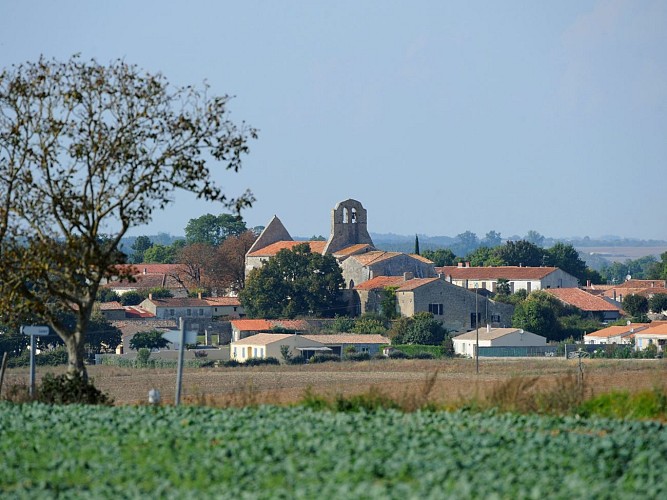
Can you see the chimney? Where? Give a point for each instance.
(467, 264)
(488, 328)
(407, 276)
(460, 264)
(199, 295)
(614, 294)
(588, 283)
(150, 296)
(145, 271)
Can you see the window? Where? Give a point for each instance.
(495, 318)
(201, 312)
(475, 321)
(435, 309)
(189, 312)
(171, 312)
(364, 349)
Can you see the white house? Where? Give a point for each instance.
(615, 334)
(361, 343)
(464, 344)
(265, 345)
(653, 335)
(519, 277)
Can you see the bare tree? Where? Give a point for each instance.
(88, 151)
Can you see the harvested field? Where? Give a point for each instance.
(456, 379)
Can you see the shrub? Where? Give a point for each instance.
(142, 356)
(323, 358)
(232, 363)
(201, 354)
(398, 355)
(423, 355)
(53, 357)
(64, 389)
(358, 356)
(261, 361)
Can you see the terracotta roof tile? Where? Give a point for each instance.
(222, 301)
(265, 338)
(245, 325)
(492, 334)
(380, 282)
(633, 283)
(614, 331)
(415, 283)
(110, 306)
(348, 338)
(137, 312)
(353, 249)
(581, 299)
(656, 330)
(180, 302)
(496, 272)
(419, 257)
(373, 257)
(274, 248)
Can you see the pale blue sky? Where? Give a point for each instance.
(438, 116)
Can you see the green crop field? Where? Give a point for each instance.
(278, 452)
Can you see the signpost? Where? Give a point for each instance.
(33, 331)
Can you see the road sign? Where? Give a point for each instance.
(40, 331)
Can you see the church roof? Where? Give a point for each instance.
(274, 248)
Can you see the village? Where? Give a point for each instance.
(462, 299)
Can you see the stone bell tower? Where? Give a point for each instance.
(348, 226)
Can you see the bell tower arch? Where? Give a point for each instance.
(349, 226)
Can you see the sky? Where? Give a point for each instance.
(440, 117)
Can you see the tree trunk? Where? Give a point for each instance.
(76, 355)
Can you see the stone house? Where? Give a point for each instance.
(519, 277)
(229, 307)
(457, 308)
(176, 307)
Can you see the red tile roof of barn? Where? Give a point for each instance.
(613, 331)
(110, 306)
(583, 300)
(274, 248)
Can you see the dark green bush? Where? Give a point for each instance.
(53, 357)
(261, 362)
(64, 389)
(398, 355)
(232, 363)
(423, 355)
(323, 358)
(358, 356)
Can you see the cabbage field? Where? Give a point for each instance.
(274, 452)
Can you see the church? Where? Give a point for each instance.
(349, 242)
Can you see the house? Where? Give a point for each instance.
(229, 307)
(242, 328)
(265, 345)
(519, 277)
(175, 307)
(349, 243)
(645, 288)
(623, 334)
(457, 308)
(337, 343)
(112, 311)
(464, 344)
(597, 306)
(653, 335)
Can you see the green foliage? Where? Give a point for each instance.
(143, 354)
(213, 230)
(74, 389)
(520, 253)
(635, 305)
(160, 293)
(49, 357)
(161, 254)
(295, 282)
(357, 356)
(186, 452)
(370, 323)
(101, 335)
(413, 350)
(139, 247)
(538, 315)
(623, 405)
(107, 295)
(566, 257)
(503, 287)
(440, 257)
(323, 358)
(341, 324)
(422, 328)
(388, 303)
(416, 250)
(285, 353)
(483, 256)
(658, 303)
(132, 298)
(148, 340)
(261, 361)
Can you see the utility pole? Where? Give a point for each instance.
(476, 332)
(179, 369)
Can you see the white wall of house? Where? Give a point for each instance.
(243, 350)
(465, 344)
(642, 341)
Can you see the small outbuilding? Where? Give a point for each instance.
(464, 344)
